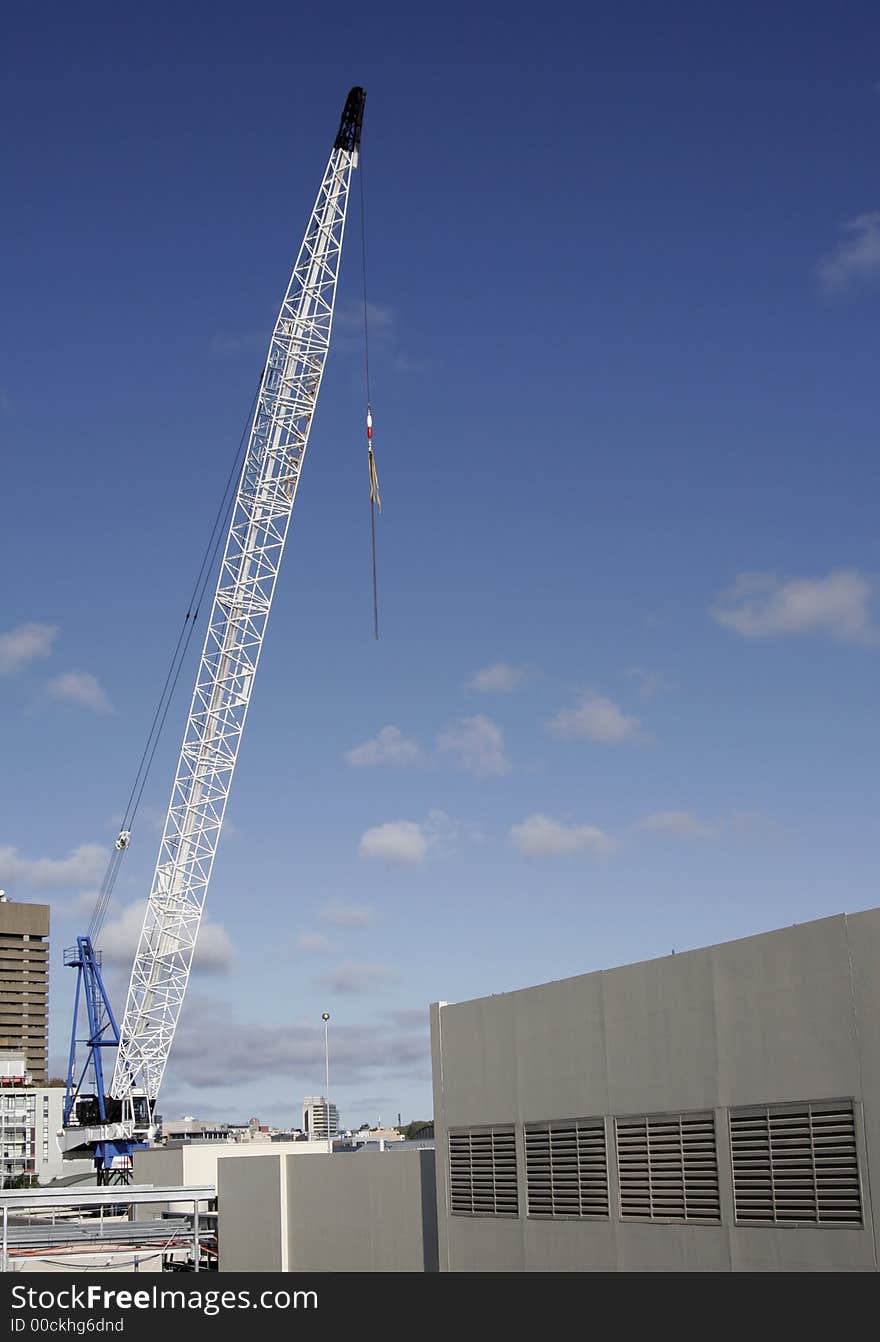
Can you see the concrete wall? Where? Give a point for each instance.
(792, 1015)
(194, 1163)
(161, 1165)
(364, 1211)
(123, 1260)
(252, 1204)
(355, 1212)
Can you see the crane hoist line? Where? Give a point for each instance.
(112, 1123)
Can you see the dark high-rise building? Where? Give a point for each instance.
(24, 985)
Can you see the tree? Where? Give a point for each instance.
(416, 1128)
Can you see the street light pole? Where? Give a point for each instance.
(325, 1017)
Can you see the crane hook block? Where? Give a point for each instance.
(123, 839)
(349, 136)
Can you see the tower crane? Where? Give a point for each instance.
(111, 1124)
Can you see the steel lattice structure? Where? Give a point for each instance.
(246, 583)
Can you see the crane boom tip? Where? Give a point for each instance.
(349, 135)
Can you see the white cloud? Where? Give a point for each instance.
(22, 644)
(403, 362)
(400, 843)
(349, 323)
(215, 952)
(352, 978)
(679, 824)
(444, 833)
(540, 836)
(348, 915)
(211, 1045)
(118, 942)
(855, 260)
(651, 683)
(406, 843)
(386, 336)
(764, 605)
(477, 746)
(80, 687)
(84, 865)
(388, 746)
(84, 903)
(313, 942)
(596, 718)
(499, 678)
(415, 1017)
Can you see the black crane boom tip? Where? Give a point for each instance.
(349, 136)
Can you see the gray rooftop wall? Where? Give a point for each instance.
(349, 1212)
(251, 1207)
(369, 1211)
(787, 1016)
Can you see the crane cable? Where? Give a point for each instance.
(206, 568)
(375, 501)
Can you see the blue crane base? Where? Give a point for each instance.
(103, 1032)
(113, 1161)
(86, 1102)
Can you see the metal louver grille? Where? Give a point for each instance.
(567, 1168)
(668, 1167)
(795, 1163)
(482, 1172)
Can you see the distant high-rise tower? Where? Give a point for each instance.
(24, 984)
(315, 1118)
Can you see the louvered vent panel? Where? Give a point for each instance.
(667, 1167)
(796, 1163)
(482, 1172)
(567, 1168)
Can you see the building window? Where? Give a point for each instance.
(667, 1167)
(796, 1163)
(482, 1172)
(567, 1168)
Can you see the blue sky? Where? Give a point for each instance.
(624, 271)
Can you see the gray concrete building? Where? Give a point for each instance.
(712, 1110)
(24, 984)
(365, 1212)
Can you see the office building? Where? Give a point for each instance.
(315, 1111)
(24, 984)
(30, 1118)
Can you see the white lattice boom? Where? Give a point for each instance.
(245, 587)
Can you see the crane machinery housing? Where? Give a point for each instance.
(110, 1123)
